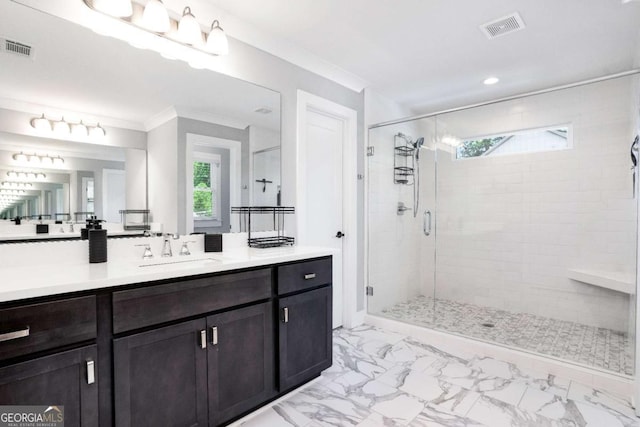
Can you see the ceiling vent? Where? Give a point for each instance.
(502, 26)
(16, 48)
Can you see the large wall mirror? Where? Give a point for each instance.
(227, 130)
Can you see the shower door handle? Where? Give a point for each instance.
(426, 223)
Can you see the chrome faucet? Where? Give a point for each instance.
(166, 247)
(185, 248)
(147, 251)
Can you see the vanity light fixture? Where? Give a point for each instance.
(155, 17)
(26, 175)
(115, 8)
(62, 128)
(217, 42)
(7, 184)
(14, 192)
(180, 38)
(38, 159)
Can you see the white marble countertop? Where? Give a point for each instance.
(42, 280)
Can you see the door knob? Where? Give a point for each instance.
(339, 234)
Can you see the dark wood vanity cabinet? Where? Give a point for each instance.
(305, 320)
(64, 379)
(197, 351)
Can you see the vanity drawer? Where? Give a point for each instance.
(304, 275)
(157, 304)
(29, 328)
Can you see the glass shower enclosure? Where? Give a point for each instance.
(513, 223)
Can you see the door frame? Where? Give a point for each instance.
(349, 117)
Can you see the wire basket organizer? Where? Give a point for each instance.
(278, 214)
(403, 161)
(135, 219)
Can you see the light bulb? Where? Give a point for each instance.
(155, 17)
(61, 128)
(20, 157)
(41, 124)
(97, 132)
(217, 42)
(79, 130)
(117, 8)
(188, 28)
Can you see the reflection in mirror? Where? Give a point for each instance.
(203, 140)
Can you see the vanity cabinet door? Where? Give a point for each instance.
(305, 336)
(241, 361)
(160, 377)
(66, 379)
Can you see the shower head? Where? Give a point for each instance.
(419, 143)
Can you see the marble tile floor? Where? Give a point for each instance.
(597, 347)
(380, 378)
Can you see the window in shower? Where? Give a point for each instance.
(523, 141)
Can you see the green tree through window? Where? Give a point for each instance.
(202, 192)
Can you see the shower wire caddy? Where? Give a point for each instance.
(135, 219)
(278, 214)
(403, 161)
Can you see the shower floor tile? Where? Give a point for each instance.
(598, 347)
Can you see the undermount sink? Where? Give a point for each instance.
(170, 261)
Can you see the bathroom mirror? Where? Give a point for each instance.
(227, 130)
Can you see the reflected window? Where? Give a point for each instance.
(206, 188)
(525, 141)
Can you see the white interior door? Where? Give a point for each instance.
(323, 193)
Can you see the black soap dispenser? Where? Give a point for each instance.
(97, 241)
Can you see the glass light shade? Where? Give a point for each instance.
(117, 8)
(217, 42)
(40, 175)
(46, 160)
(58, 161)
(188, 28)
(41, 124)
(155, 17)
(34, 158)
(29, 175)
(61, 128)
(20, 157)
(97, 132)
(12, 174)
(79, 130)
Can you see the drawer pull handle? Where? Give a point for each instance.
(214, 335)
(15, 335)
(203, 338)
(285, 315)
(91, 372)
(309, 276)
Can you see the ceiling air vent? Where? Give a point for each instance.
(502, 26)
(17, 48)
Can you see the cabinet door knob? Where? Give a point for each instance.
(91, 372)
(285, 315)
(203, 338)
(214, 335)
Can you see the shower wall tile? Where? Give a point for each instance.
(509, 228)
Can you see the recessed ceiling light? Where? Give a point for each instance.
(491, 80)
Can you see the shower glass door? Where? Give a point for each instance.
(525, 231)
(401, 210)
